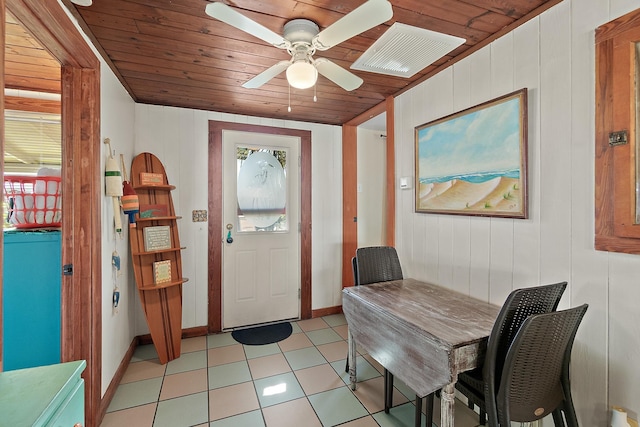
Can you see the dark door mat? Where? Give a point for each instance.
(261, 335)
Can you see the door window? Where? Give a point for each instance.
(261, 190)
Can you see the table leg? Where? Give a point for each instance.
(352, 361)
(447, 401)
(388, 391)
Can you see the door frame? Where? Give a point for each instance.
(81, 306)
(215, 229)
(350, 184)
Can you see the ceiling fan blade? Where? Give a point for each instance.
(267, 75)
(234, 18)
(361, 19)
(343, 78)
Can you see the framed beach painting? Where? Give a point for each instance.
(474, 162)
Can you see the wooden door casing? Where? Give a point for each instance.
(80, 91)
(216, 220)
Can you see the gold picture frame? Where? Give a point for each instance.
(474, 162)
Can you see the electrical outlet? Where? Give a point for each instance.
(618, 138)
(199, 216)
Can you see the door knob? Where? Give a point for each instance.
(229, 238)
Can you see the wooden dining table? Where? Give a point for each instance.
(422, 333)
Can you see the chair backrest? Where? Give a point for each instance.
(354, 266)
(519, 305)
(532, 380)
(376, 264)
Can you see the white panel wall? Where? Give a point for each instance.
(179, 137)
(371, 187)
(116, 123)
(553, 56)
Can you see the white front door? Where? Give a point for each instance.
(261, 213)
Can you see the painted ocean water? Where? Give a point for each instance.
(474, 178)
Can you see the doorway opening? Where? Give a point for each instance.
(218, 232)
(371, 182)
(79, 82)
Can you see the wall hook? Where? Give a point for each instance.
(108, 142)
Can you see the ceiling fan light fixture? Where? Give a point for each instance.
(302, 75)
(82, 2)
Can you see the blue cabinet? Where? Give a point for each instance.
(45, 396)
(31, 287)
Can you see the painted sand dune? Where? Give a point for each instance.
(428, 191)
(498, 194)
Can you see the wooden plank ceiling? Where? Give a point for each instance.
(28, 66)
(32, 130)
(170, 52)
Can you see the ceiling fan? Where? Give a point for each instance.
(302, 37)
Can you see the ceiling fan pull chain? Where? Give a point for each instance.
(315, 98)
(289, 107)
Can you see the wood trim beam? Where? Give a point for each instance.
(305, 224)
(31, 104)
(214, 276)
(391, 173)
(2, 129)
(82, 291)
(369, 114)
(61, 38)
(349, 200)
(350, 183)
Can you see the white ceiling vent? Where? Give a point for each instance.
(404, 50)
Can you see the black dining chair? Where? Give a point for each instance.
(519, 305)
(374, 264)
(535, 376)
(377, 264)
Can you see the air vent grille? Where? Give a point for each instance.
(404, 50)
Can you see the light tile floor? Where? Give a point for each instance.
(298, 382)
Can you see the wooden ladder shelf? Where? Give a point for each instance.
(157, 262)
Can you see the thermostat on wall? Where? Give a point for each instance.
(406, 182)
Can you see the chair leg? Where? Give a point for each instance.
(483, 417)
(346, 368)
(388, 390)
(428, 411)
(558, 419)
